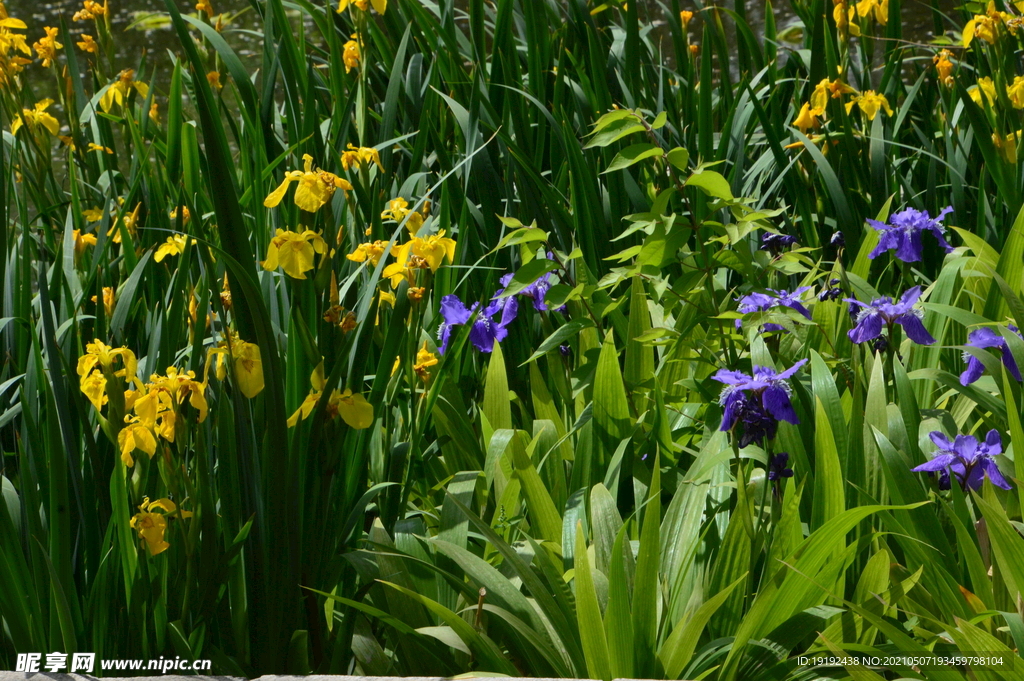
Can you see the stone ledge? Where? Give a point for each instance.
(44, 676)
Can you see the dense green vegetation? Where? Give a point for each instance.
(528, 337)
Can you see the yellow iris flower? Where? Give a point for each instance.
(806, 119)
(36, 117)
(316, 187)
(826, 89)
(109, 300)
(246, 359)
(99, 355)
(869, 102)
(119, 90)
(985, 26)
(433, 249)
(372, 251)
(134, 436)
(89, 45)
(352, 407)
(880, 8)
(130, 222)
(47, 46)
(984, 88)
(361, 156)
(81, 241)
(844, 15)
(293, 252)
(152, 526)
(424, 360)
(175, 245)
(351, 55)
(380, 5)
(1015, 92)
(943, 66)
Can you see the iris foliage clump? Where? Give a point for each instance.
(525, 337)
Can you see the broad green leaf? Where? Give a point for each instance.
(677, 651)
(634, 153)
(543, 515)
(647, 584)
(618, 621)
(588, 612)
(612, 422)
(829, 497)
(679, 158)
(712, 183)
(496, 403)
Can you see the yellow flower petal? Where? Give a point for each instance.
(275, 196)
(355, 410)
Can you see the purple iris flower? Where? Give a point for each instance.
(903, 233)
(757, 402)
(987, 338)
(486, 329)
(760, 302)
(969, 460)
(775, 243)
(537, 290)
(777, 468)
(871, 317)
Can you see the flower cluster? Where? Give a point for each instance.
(315, 187)
(871, 317)
(351, 407)
(904, 231)
(152, 526)
(491, 325)
(776, 243)
(36, 118)
(869, 102)
(987, 338)
(757, 402)
(47, 46)
(967, 459)
(153, 408)
(245, 359)
(762, 302)
(11, 44)
(118, 91)
(988, 26)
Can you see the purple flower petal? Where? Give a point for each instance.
(869, 327)
(454, 311)
(1010, 362)
(941, 441)
(910, 297)
(992, 470)
(937, 464)
(776, 401)
(791, 370)
(915, 329)
(973, 371)
(993, 442)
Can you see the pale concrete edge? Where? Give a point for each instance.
(43, 676)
